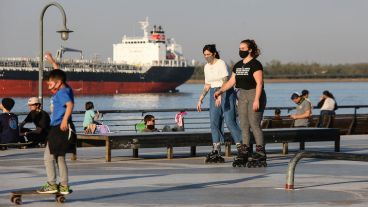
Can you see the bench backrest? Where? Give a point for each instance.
(285, 123)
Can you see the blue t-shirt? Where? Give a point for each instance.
(58, 102)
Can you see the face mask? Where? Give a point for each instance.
(151, 127)
(209, 59)
(54, 86)
(243, 54)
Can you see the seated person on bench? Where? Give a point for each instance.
(303, 111)
(149, 122)
(40, 119)
(9, 131)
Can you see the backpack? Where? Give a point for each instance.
(139, 127)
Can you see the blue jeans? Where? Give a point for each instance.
(226, 112)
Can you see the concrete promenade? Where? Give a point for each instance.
(152, 180)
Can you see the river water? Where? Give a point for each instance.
(278, 94)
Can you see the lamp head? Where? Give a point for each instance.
(64, 33)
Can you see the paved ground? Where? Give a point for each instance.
(153, 180)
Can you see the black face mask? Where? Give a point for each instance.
(243, 54)
(151, 127)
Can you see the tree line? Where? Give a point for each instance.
(275, 69)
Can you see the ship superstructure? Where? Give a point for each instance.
(152, 63)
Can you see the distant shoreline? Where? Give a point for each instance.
(285, 80)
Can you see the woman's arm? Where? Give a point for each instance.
(229, 84)
(201, 97)
(258, 77)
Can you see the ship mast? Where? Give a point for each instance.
(144, 26)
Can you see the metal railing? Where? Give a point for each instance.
(125, 120)
(319, 155)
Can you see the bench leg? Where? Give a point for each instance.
(227, 150)
(285, 148)
(337, 144)
(108, 151)
(135, 153)
(193, 151)
(170, 152)
(302, 145)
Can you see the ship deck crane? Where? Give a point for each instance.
(62, 50)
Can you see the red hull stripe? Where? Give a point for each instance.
(27, 88)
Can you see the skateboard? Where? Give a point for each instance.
(16, 196)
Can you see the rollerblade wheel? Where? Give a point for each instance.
(18, 201)
(12, 199)
(60, 199)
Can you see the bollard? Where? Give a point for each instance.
(319, 155)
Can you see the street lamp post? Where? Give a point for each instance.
(64, 36)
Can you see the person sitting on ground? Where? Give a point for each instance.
(303, 111)
(149, 122)
(40, 119)
(90, 117)
(277, 114)
(9, 130)
(328, 105)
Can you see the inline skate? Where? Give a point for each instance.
(242, 158)
(259, 158)
(215, 155)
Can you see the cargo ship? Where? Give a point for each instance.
(148, 64)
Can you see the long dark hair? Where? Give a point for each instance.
(252, 46)
(212, 49)
(89, 105)
(328, 94)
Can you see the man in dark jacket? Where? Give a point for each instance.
(40, 119)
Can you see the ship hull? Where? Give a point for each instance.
(155, 80)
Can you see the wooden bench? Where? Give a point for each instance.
(193, 139)
(284, 123)
(14, 145)
(360, 125)
(345, 124)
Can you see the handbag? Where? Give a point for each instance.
(102, 129)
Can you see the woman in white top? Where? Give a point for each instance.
(223, 107)
(328, 105)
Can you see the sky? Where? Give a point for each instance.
(299, 31)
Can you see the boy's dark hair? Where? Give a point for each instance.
(277, 111)
(305, 92)
(89, 105)
(57, 74)
(147, 118)
(8, 103)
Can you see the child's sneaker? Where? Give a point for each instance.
(64, 189)
(48, 188)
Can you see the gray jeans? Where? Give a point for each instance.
(250, 119)
(51, 164)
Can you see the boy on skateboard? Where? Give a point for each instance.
(61, 137)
